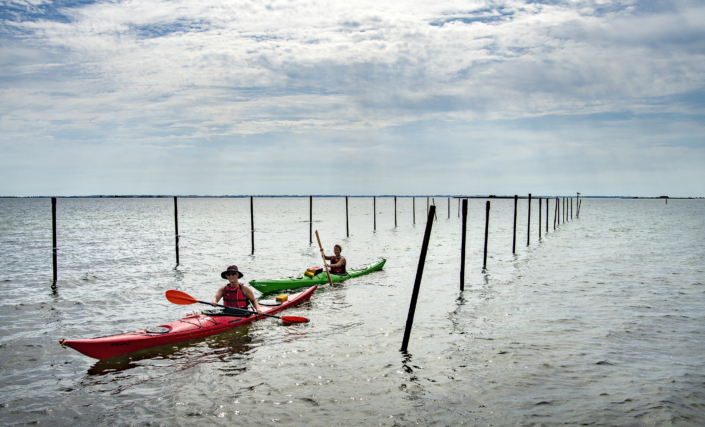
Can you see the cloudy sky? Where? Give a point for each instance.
(215, 97)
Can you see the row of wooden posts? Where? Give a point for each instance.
(431, 210)
(374, 210)
(567, 206)
(556, 220)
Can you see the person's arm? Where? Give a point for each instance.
(251, 296)
(218, 296)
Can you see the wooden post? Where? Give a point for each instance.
(540, 218)
(555, 214)
(487, 228)
(547, 212)
(310, 220)
(413, 208)
(577, 205)
(53, 237)
(514, 239)
(528, 224)
(417, 282)
(374, 208)
(571, 208)
(449, 207)
(395, 211)
(462, 246)
(252, 222)
(176, 226)
(347, 221)
(434, 204)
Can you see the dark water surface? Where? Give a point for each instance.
(599, 323)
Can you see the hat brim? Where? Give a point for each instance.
(239, 275)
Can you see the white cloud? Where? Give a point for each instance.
(193, 74)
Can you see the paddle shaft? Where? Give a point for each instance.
(330, 282)
(242, 310)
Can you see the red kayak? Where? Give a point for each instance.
(186, 329)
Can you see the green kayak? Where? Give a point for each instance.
(266, 286)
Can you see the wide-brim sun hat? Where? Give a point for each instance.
(231, 269)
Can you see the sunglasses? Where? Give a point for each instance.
(230, 274)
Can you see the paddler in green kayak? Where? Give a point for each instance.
(235, 294)
(337, 262)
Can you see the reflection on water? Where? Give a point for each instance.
(182, 355)
(599, 323)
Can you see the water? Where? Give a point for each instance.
(599, 323)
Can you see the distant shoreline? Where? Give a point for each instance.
(336, 196)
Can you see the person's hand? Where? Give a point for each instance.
(214, 304)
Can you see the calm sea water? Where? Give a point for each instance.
(601, 322)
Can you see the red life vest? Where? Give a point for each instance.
(337, 270)
(234, 297)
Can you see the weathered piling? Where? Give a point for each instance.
(374, 208)
(448, 207)
(487, 228)
(53, 239)
(555, 214)
(547, 212)
(540, 218)
(417, 282)
(434, 204)
(347, 220)
(462, 246)
(514, 239)
(252, 222)
(528, 224)
(310, 220)
(176, 227)
(395, 211)
(571, 208)
(413, 208)
(577, 205)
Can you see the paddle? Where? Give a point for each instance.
(330, 282)
(181, 298)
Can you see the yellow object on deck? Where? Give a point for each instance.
(282, 298)
(312, 271)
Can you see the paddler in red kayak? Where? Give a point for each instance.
(235, 294)
(337, 262)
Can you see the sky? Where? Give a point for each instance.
(298, 97)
